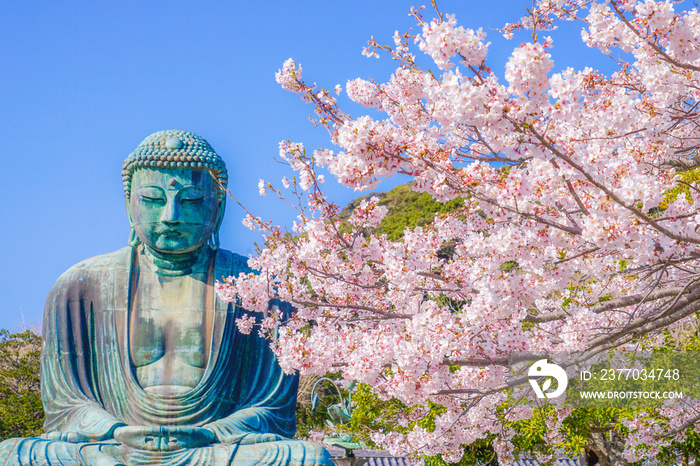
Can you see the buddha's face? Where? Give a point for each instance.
(173, 210)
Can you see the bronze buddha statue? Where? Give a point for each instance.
(142, 363)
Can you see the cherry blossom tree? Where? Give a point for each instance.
(579, 179)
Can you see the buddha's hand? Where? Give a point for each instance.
(163, 438)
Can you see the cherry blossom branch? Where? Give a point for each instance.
(687, 424)
(612, 304)
(653, 45)
(353, 306)
(607, 191)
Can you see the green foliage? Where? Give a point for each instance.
(689, 176)
(406, 209)
(21, 411)
(371, 414)
(577, 428)
(690, 448)
(509, 265)
(309, 419)
(478, 453)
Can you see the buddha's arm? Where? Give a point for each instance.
(264, 395)
(267, 409)
(74, 410)
(68, 408)
(75, 418)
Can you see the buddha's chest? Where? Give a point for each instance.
(157, 333)
(169, 330)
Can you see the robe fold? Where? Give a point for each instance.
(89, 387)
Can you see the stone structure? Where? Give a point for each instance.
(142, 363)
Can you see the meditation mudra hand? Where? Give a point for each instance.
(164, 438)
(142, 364)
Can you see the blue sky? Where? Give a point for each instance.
(82, 83)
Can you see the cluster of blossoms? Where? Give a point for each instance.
(527, 69)
(443, 40)
(578, 226)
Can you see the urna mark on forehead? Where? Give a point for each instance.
(176, 149)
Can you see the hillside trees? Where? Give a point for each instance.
(21, 412)
(564, 239)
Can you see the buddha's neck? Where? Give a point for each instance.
(175, 264)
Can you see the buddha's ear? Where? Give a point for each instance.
(128, 211)
(220, 217)
(133, 237)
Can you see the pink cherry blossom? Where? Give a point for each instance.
(564, 236)
(245, 324)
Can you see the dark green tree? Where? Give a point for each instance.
(21, 411)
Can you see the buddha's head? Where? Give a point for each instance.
(175, 190)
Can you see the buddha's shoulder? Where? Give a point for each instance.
(117, 258)
(98, 265)
(231, 263)
(90, 274)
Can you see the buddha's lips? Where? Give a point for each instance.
(172, 233)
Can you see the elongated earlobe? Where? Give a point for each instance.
(214, 241)
(133, 238)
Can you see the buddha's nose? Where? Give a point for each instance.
(171, 214)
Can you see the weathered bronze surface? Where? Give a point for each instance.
(142, 364)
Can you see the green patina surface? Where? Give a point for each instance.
(142, 364)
